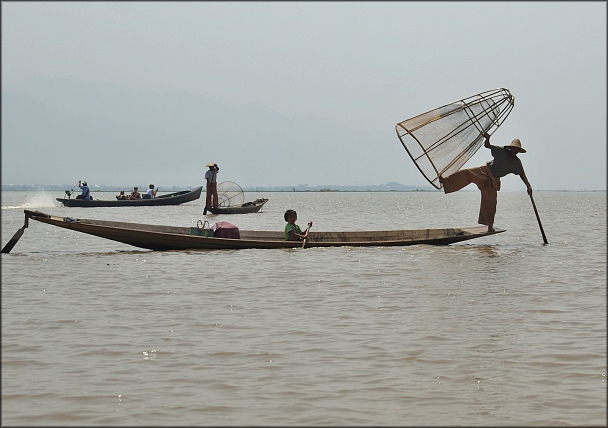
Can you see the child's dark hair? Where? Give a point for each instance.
(287, 213)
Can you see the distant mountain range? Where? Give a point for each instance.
(57, 130)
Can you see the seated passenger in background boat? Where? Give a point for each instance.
(135, 194)
(86, 192)
(150, 193)
(292, 230)
(121, 196)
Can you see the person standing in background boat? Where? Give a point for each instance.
(86, 192)
(292, 230)
(211, 177)
(150, 193)
(487, 177)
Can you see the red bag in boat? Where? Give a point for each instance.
(223, 229)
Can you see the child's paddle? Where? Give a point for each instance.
(306, 233)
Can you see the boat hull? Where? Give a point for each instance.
(176, 198)
(246, 208)
(158, 237)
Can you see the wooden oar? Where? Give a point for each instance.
(306, 233)
(538, 219)
(9, 246)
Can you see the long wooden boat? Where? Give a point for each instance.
(175, 198)
(157, 237)
(246, 208)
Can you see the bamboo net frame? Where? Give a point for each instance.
(442, 140)
(230, 194)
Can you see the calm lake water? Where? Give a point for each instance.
(500, 330)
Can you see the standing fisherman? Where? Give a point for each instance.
(211, 177)
(487, 177)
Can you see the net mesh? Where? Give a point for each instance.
(442, 140)
(230, 194)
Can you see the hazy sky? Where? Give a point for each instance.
(370, 63)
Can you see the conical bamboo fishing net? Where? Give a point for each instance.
(442, 140)
(230, 194)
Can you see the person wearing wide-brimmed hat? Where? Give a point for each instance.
(487, 177)
(211, 177)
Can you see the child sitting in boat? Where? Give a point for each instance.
(292, 230)
(121, 196)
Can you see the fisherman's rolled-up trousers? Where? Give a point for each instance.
(487, 184)
(212, 196)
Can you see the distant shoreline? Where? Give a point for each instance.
(293, 189)
(388, 187)
(113, 189)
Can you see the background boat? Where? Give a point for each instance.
(231, 200)
(246, 208)
(175, 198)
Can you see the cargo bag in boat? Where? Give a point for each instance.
(224, 229)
